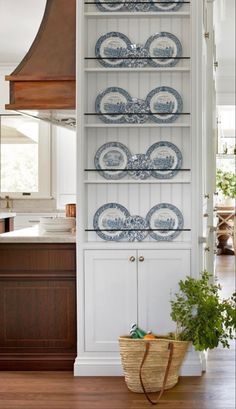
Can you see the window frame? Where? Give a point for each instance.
(44, 163)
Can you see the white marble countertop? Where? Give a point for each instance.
(6, 215)
(36, 235)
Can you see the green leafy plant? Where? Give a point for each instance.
(226, 183)
(201, 316)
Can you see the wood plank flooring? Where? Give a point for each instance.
(60, 390)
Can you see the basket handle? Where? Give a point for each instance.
(171, 350)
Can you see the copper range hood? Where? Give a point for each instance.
(43, 84)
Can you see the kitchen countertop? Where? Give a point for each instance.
(36, 235)
(7, 215)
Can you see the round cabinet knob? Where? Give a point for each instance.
(132, 259)
(206, 215)
(141, 259)
(207, 249)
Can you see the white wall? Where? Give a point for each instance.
(19, 23)
(224, 20)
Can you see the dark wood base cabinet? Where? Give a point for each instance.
(37, 306)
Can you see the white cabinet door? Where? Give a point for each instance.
(110, 297)
(158, 277)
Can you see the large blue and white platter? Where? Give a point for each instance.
(110, 5)
(163, 220)
(138, 5)
(111, 48)
(165, 155)
(140, 166)
(164, 48)
(110, 217)
(137, 228)
(111, 105)
(111, 160)
(165, 103)
(166, 5)
(136, 112)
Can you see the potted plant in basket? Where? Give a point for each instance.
(226, 183)
(201, 316)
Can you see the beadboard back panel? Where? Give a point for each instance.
(138, 33)
(136, 195)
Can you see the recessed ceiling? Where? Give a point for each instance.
(19, 23)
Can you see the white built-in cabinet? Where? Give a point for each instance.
(127, 286)
(120, 283)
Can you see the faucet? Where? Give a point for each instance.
(8, 203)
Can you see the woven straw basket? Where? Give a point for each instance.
(157, 367)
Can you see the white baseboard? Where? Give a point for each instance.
(192, 364)
(87, 366)
(98, 367)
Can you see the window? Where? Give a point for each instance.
(24, 157)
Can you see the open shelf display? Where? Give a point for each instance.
(139, 195)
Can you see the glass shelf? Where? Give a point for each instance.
(156, 14)
(137, 170)
(225, 156)
(135, 113)
(139, 2)
(137, 70)
(110, 230)
(137, 58)
(145, 125)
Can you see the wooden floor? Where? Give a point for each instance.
(60, 390)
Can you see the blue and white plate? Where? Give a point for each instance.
(111, 48)
(110, 217)
(112, 155)
(165, 48)
(165, 155)
(110, 5)
(164, 219)
(140, 166)
(137, 228)
(136, 112)
(163, 102)
(166, 5)
(112, 101)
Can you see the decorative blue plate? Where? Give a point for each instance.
(136, 111)
(166, 101)
(107, 5)
(164, 219)
(169, 6)
(110, 216)
(133, 223)
(112, 155)
(165, 155)
(112, 101)
(113, 47)
(139, 166)
(165, 48)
